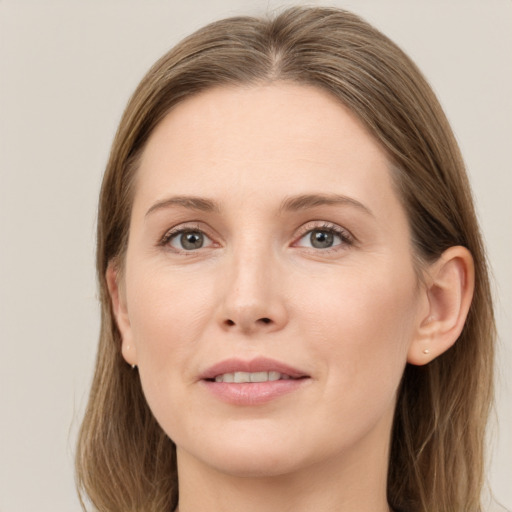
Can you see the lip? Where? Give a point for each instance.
(260, 364)
(252, 393)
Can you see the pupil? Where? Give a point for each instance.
(193, 240)
(321, 239)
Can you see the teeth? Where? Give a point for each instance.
(259, 376)
(228, 377)
(241, 377)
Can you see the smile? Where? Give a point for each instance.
(241, 377)
(254, 382)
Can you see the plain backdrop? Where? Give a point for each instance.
(66, 71)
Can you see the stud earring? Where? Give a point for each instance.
(132, 365)
(426, 351)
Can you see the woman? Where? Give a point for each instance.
(295, 304)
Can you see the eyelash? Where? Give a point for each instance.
(347, 239)
(345, 236)
(180, 230)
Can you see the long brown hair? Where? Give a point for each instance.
(124, 461)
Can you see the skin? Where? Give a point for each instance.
(349, 316)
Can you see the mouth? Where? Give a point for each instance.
(254, 382)
(244, 377)
(260, 369)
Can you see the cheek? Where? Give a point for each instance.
(168, 314)
(360, 329)
(363, 324)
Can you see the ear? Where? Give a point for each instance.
(449, 288)
(119, 307)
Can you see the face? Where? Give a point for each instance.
(268, 296)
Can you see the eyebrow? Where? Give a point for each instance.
(306, 201)
(294, 203)
(190, 202)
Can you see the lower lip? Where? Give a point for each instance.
(253, 393)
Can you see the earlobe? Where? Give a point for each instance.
(449, 289)
(120, 310)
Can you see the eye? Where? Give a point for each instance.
(187, 240)
(320, 239)
(324, 237)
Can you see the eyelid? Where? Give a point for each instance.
(346, 236)
(185, 227)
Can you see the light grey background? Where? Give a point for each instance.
(66, 71)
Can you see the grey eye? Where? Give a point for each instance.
(321, 239)
(189, 240)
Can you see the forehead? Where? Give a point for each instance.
(269, 139)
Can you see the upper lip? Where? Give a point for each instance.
(260, 364)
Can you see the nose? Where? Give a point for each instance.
(253, 296)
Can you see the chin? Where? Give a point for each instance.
(249, 456)
(246, 465)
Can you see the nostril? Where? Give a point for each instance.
(230, 323)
